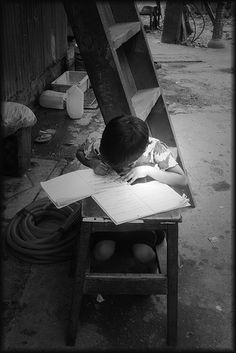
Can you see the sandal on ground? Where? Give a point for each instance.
(43, 138)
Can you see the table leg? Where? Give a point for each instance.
(74, 256)
(172, 283)
(78, 290)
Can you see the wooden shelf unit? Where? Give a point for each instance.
(113, 44)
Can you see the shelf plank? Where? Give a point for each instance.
(144, 100)
(126, 283)
(121, 32)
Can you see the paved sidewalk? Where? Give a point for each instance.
(197, 84)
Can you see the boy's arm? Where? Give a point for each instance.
(166, 169)
(96, 164)
(173, 176)
(88, 154)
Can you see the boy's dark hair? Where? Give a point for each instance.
(124, 140)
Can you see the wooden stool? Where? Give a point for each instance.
(86, 282)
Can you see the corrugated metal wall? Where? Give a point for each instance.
(34, 36)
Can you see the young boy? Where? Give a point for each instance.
(126, 147)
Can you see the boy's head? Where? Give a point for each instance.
(123, 141)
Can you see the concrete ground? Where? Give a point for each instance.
(197, 85)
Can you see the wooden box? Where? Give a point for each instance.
(70, 78)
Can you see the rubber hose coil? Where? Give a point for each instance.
(42, 233)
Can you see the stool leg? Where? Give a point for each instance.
(74, 259)
(172, 280)
(78, 290)
(78, 217)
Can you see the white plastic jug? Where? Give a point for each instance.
(52, 99)
(75, 102)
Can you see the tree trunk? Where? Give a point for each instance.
(172, 22)
(218, 25)
(216, 41)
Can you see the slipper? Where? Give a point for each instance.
(43, 138)
(48, 131)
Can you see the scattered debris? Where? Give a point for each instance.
(100, 298)
(189, 334)
(213, 239)
(157, 65)
(219, 308)
(86, 119)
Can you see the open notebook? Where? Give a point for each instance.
(129, 202)
(119, 200)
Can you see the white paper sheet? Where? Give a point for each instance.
(74, 186)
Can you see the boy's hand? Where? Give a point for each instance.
(136, 173)
(101, 169)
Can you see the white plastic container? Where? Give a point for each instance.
(75, 102)
(52, 99)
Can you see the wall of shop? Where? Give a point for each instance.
(34, 45)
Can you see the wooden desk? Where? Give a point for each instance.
(93, 219)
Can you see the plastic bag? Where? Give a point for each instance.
(16, 116)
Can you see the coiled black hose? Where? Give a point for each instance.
(41, 233)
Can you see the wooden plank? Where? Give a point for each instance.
(82, 251)
(125, 283)
(104, 9)
(122, 32)
(128, 78)
(172, 216)
(140, 61)
(172, 275)
(161, 127)
(144, 100)
(127, 227)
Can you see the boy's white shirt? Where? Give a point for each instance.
(156, 153)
